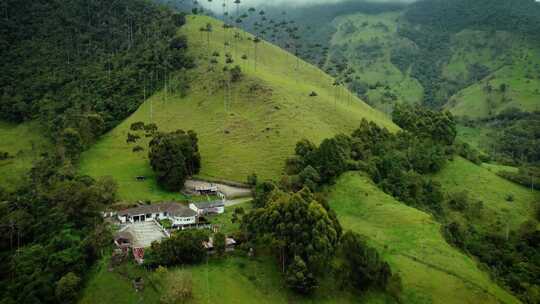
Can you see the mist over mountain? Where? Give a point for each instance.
(217, 5)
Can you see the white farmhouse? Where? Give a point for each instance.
(178, 214)
(202, 208)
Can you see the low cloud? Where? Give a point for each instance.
(216, 5)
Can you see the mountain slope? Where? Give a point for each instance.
(252, 127)
(432, 271)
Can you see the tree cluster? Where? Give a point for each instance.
(51, 232)
(182, 248)
(81, 67)
(174, 157)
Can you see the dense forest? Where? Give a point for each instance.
(79, 67)
(83, 66)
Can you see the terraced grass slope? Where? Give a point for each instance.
(506, 205)
(24, 143)
(410, 240)
(252, 127)
(365, 42)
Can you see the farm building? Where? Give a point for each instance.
(202, 208)
(178, 214)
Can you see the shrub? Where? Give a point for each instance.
(236, 73)
(67, 288)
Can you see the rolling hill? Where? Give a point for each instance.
(403, 55)
(432, 271)
(251, 127)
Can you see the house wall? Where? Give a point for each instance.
(179, 221)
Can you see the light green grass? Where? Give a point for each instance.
(111, 287)
(24, 142)
(270, 110)
(484, 185)
(411, 241)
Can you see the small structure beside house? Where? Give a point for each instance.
(178, 214)
(203, 208)
(230, 243)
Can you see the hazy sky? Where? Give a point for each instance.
(216, 4)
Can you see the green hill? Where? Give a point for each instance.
(432, 271)
(365, 42)
(474, 69)
(254, 129)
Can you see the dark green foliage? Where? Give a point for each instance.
(362, 267)
(252, 179)
(84, 65)
(57, 222)
(182, 248)
(174, 157)
(238, 214)
(439, 126)
(517, 136)
(299, 278)
(219, 243)
(297, 225)
(521, 16)
(4, 155)
(528, 176)
(515, 260)
(261, 194)
(67, 288)
(236, 73)
(137, 126)
(72, 143)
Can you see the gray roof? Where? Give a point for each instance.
(204, 205)
(174, 209)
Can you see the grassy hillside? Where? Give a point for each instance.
(432, 271)
(484, 185)
(365, 42)
(253, 130)
(476, 60)
(24, 143)
(510, 61)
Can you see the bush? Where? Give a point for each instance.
(67, 288)
(185, 247)
(236, 73)
(299, 278)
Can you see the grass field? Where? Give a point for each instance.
(484, 185)
(410, 240)
(24, 142)
(268, 111)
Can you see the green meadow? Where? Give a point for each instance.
(482, 184)
(252, 127)
(24, 143)
(410, 240)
